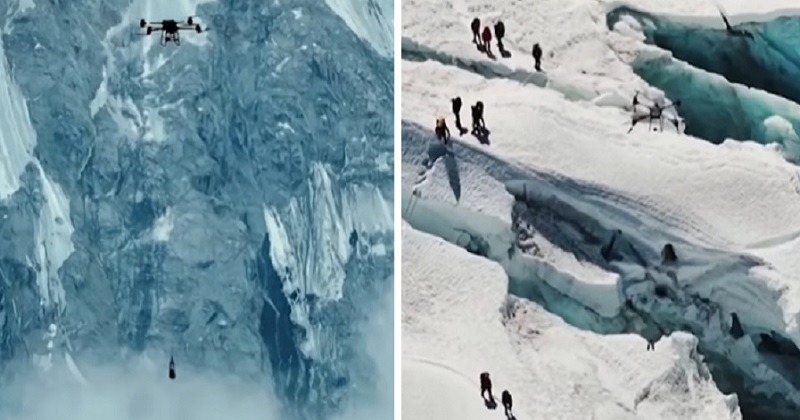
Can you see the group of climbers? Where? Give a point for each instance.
(478, 123)
(484, 39)
(486, 388)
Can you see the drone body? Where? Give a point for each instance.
(170, 29)
(654, 114)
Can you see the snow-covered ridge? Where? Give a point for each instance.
(311, 241)
(54, 229)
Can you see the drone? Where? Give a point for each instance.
(654, 113)
(170, 29)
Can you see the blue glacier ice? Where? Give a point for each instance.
(228, 201)
(712, 73)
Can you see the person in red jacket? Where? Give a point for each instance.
(487, 39)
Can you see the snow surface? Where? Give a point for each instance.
(457, 323)
(567, 126)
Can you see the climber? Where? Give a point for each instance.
(537, 55)
(651, 345)
(486, 386)
(487, 40)
(442, 132)
(476, 31)
(457, 111)
(506, 400)
(668, 255)
(499, 33)
(171, 368)
(478, 124)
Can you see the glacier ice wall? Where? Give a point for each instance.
(768, 60)
(187, 197)
(712, 73)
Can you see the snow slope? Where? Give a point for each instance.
(561, 175)
(457, 323)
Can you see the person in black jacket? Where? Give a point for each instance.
(499, 33)
(506, 400)
(486, 386)
(476, 31)
(478, 124)
(537, 55)
(457, 111)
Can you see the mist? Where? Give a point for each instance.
(375, 401)
(144, 393)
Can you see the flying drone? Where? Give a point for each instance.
(654, 113)
(170, 29)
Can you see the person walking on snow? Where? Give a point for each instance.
(537, 55)
(506, 400)
(442, 132)
(478, 124)
(499, 33)
(486, 386)
(457, 111)
(476, 31)
(487, 39)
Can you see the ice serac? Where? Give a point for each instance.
(702, 293)
(189, 200)
(711, 63)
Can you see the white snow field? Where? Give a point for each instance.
(559, 176)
